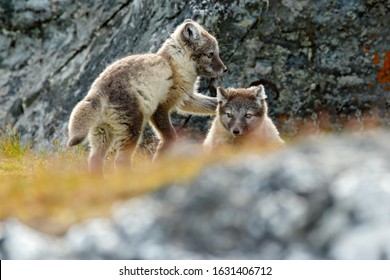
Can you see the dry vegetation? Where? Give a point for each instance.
(53, 190)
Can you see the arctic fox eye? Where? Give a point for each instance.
(210, 54)
(229, 115)
(248, 116)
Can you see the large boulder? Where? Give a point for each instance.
(327, 61)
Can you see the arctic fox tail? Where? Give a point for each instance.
(81, 119)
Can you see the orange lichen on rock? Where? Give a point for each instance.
(384, 73)
(367, 48)
(375, 59)
(283, 118)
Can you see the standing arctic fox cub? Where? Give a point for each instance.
(241, 116)
(141, 88)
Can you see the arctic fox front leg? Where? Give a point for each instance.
(199, 104)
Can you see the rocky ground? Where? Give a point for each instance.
(318, 199)
(329, 60)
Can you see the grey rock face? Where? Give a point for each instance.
(322, 199)
(318, 55)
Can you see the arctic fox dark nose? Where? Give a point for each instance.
(236, 131)
(225, 70)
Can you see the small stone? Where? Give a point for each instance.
(350, 80)
(263, 68)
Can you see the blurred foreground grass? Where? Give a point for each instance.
(52, 190)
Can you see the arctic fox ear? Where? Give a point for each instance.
(222, 94)
(191, 31)
(259, 92)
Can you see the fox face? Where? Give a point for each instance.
(204, 50)
(241, 110)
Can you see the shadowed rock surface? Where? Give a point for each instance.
(321, 199)
(329, 60)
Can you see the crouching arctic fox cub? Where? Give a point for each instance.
(145, 88)
(241, 116)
